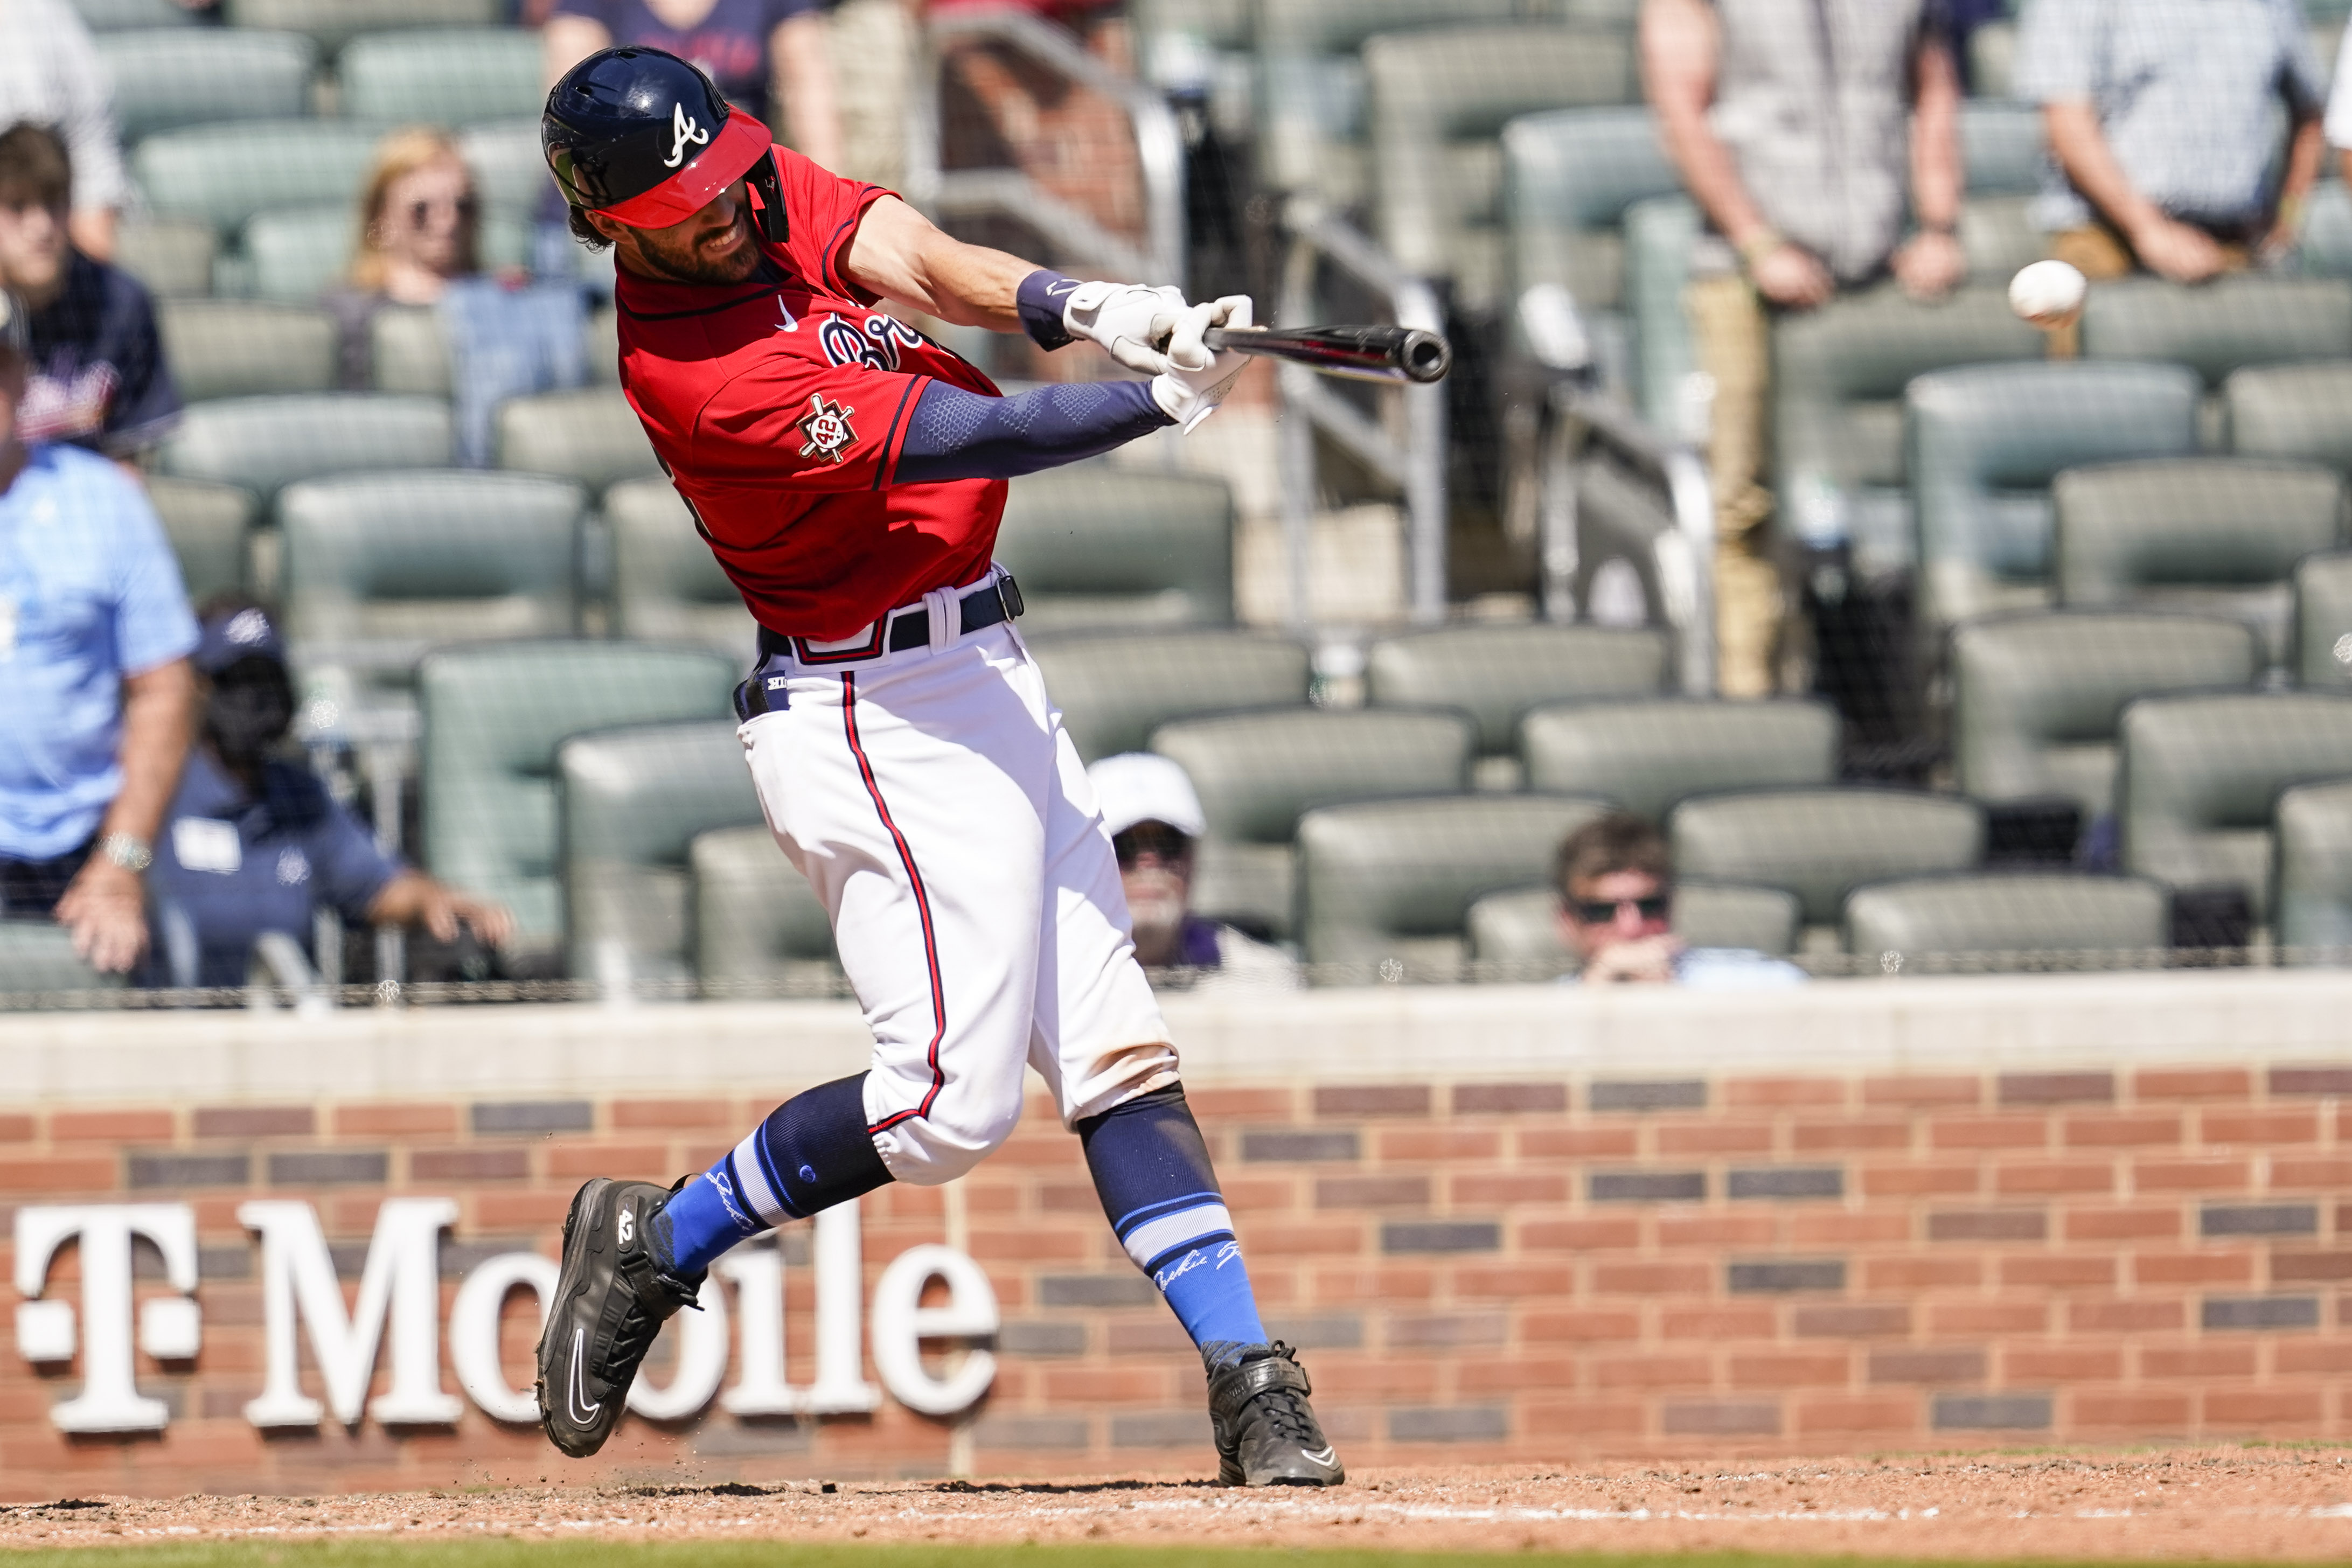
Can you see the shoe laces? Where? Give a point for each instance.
(634, 1334)
(1286, 1411)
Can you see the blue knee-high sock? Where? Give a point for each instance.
(1152, 1172)
(812, 1152)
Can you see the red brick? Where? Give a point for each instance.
(1714, 1138)
(1519, 1280)
(2138, 1409)
(2211, 1174)
(1850, 1319)
(1848, 1138)
(1510, 1375)
(2053, 1177)
(1987, 1317)
(1495, 1189)
(1953, 1091)
(59, 1173)
(2261, 1407)
(1762, 1094)
(1840, 1227)
(2313, 1356)
(636, 1114)
(2138, 1315)
(2123, 1223)
(1793, 1369)
(1371, 1099)
(2192, 1083)
(1990, 1133)
(480, 1163)
(1715, 1229)
(1919, 1273)
(1582, 1235)
(2122, 1130)
(1324, 1239)
(1869, 1413)
(1920, 1180)
(2270, 1124)
(2065, 1361)
(15, 1129)
(1715, 1323)
(1112, 1385)
(1027, 1245)
(378, 1120)
(1454, 1145)
(2306, 1267)
(1510, 1099)
(1353, 1285)
(1395, 1190)
(2292, 1172)
(2199, 1358)
(1577, 1143)
(1580, 1327)
(1652, 1279)
(2055, 1088)
(109, 1126)
(2057, 1269)
(568, 1161)
(520, 1210)
(2193, 1268)
(254, 1120)
(1214, 1105)
(1585, 1419)
(1633, 1370)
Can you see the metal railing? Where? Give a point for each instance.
(1078, 238)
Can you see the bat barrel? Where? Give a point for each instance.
(1376, 353)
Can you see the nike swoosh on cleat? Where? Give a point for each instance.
(582, 1410)
(1324, 1456)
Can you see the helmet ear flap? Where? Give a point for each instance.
(766, 184)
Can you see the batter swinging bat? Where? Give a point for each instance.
(1360, 353)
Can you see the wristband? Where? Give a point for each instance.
(1759, 246)
(128, 852)
(1040, 298)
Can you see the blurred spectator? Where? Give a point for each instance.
(2338, 123)
(1154, 818)
(94, 638)
(255, 844)
(767, 55)
(1616, 915)
(1790, 121)
(420, 224)
(50, 75)
(882, 37)
(98, 378)
(2162, 118)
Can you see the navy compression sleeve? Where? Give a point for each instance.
(957, 435)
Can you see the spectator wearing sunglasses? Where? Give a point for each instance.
(1154, 820)
(1616, 916)
(419, 231)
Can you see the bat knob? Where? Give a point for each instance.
(1425, 357)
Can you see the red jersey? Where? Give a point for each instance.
(779, 406)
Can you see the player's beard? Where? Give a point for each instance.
(683, 261)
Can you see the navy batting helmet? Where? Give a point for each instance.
(647, 138)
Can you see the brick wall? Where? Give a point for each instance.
(1535, 1270)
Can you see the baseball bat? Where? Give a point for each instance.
(1360, 353)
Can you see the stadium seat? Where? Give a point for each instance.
(408, 349)
(2201, 775)
(2217, 536)
(379, 568)
(667, 585)
(208, 524)
(2036, 698)
(443, 75)
(2313, 878)
(494, 717)
(334, 23)
(224, 174)
(1838, 379)
(1395, 880)
(296, 252)
(2221, 327)
(509, 171)
(1495, 673)
(170, 255)
(1569, 177)
(1257, 773)
(757, 923)
(38, 956)
(1660, 233)
(1647, 755)
(1821, 843)
(1437, 103)
(123, 15)
(1516, 935)
(235, 348)
(2322, 622)
(634, 800)
(2003, 148)
(2293, 411)
(1099, 548)
(2008, 920)
(591, 435)
(166, 77)
(1986, 441)
(266, 443)
(1114, 689)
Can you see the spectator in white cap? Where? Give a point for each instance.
(1154, 820)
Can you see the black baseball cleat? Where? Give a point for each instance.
(1266, 1432)
(610, 1301)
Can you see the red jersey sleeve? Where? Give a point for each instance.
(789, 421)
(822, 210)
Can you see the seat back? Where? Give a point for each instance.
(38, 956)
(443, 75)
(208, 525)
(1516, 935)
(1496, 674)
(2313, 877)
(634, 800)
(170, 255)
(1098, 548)
(1396, 879)
(2003, 147)
(2037, 698)
(1567, 177)
(2322, 622)
(1257, 773)
(1821, 843)
(378, 568)
(334, 23)
(667, 585)
(2212, 534)
(169, 77)
(1985, 443)
(591, 435)
(236, 348)
(294, 253)
(494, 717)
(122, 16)
(264, 444)
(226, 174)
(2293, 411)
(1647, 755)
(1114, 690)
(757, 923)
(2201, 777)
(2023, 915)
(2221, 326)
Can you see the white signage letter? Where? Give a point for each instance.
(841, 1387)
(901, 1324)
(761, 1388)
(474, 1331)
(169, 1329)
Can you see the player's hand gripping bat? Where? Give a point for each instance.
(1360, 353)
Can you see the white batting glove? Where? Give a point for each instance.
(1197, 379)
(1127, 318)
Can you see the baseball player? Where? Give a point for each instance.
(849, 475)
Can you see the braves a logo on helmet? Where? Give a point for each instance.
(683, 132)
(826, 426)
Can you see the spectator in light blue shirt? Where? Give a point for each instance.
(95, 633)
(1616, 915)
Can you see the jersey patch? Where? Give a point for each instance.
(828, 427)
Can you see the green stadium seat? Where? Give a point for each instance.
(408, 351)
(634, 801)
(2222, 327)
(1569, 177)
(208, 524)
(667, 585)
(495, 716)
(1516, 935)
(379, 568)
(1647, 755)
(1821, 844)
(38, 956)
(2008, 920)
(509, 171)
(169, 77)
(170, 255)
(2325, 248)
(1115, 688)
(1097, 548)
(591, 435)
(2322, 622)
(334, 23)
(1257, 773)
(2312, 879)
(1985, 443)
(266, 442)
(2216, 536)
(2201, 776)
(2293, 411)
(757, 923)
(224, 174)
(1495, 673)
(443, 75)
(124, 16)
(1395, 880)
(2036, 698)
(296, 253)
(1660, 233)
(2003, 147)
(236, 348)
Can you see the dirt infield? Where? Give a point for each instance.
(2239, 1504)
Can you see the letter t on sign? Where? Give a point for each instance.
(169, 1329)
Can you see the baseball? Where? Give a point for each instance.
(2049, 294)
